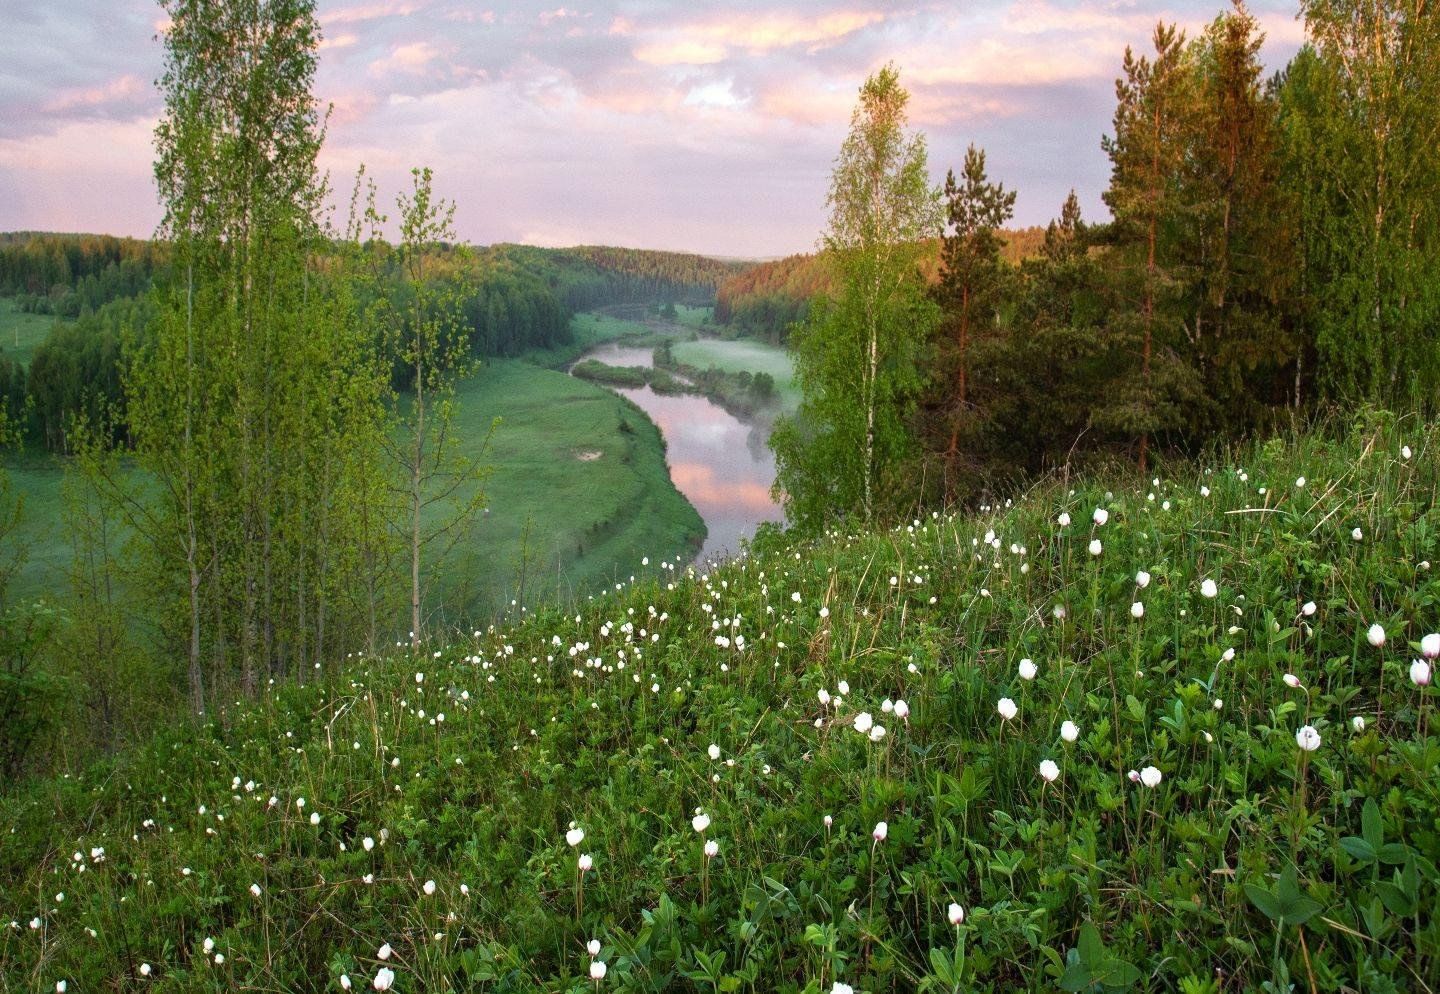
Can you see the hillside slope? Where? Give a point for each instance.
(404, 824)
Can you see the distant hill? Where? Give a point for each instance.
(763, 300)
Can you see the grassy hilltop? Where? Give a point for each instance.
(405, 823)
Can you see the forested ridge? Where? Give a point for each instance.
(516, 298)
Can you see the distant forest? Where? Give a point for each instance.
(517, 298)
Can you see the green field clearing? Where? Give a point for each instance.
(598, 497)
(20, 332)
(735, 355)
(585, 467)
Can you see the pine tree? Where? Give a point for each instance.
(971, 277)
(1149, 394)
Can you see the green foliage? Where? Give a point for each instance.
(844, 451)
(1246, 864)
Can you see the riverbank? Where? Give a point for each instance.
(716, 428)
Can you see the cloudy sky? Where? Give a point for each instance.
(678, 124)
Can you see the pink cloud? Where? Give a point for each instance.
(410, 59)
(123, 89)
(370, 11)
(712, 40)
(338, 41)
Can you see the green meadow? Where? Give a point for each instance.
(578, 494)
(737, 355)
(20, 332)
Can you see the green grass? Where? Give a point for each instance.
(736, 355)
(590, 521)
(20, 333)
(584, 468)
(693, 317)
(1250, 862)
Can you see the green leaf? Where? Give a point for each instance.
(1267, 902)
(1359, 848)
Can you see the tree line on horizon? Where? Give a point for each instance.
(99, 288)
(1274, 251)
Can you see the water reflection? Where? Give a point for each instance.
(721, 464)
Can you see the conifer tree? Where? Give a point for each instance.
(1146, 154)
(971, 278)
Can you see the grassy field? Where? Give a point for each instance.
(585, 471)
(21, 332)
(736, 355)
(581, 467)
(1156, 735)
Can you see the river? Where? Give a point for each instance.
(720, 463)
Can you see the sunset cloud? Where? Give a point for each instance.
(707, 125)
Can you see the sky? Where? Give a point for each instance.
(689, 125)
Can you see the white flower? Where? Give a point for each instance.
(429, 888)
(1356, 534)
(1142, 579)
(1027, 669)
(1058, 611)
(843, 687)
(384, 978)
(824, 696)
(1007, 708)
(1430, 646)
(585, 863)
(575, 836)
(1300, 483)
(368, 843)
(208, 945)
(955, 913)
(1208, 588)
(1063, 520)
(712, 848)
(824, 613)
(877, 733)
(255, 889)
(1291, 680)
(1308, 609)
(1137, 610)
(593, 947)
(714, 751)
(1095, 547)
(597, 970)
(902, 710)
(1420, 673)
(1100, 516)
(1069, 731)
(1358, 723)
(314, 817)
(828, 822)
(60, 987)
(1048, 770)
(1307, 738)
(1204, 491)
(1405, 452)
(1150, 776)
(384, 952)
(345, 984)
(144, 969)
(839, 988)
(863, 721)
(880, 831)
(700, 822)
(1376, 636)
